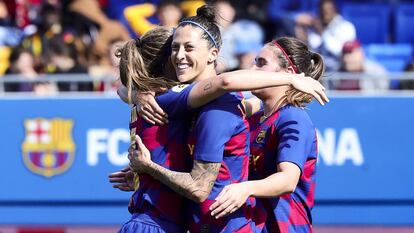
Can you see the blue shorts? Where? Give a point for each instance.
(141, 222)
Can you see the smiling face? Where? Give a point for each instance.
(191, 56)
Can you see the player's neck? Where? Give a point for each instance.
(271, 105)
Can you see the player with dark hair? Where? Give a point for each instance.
(139, 69)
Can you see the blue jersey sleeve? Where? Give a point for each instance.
(216, 124)
(297, 136)
(175, 101)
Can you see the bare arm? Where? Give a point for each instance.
(195, 185)
(234, 196)
(282, 182)
(243, 80)
(209, 89)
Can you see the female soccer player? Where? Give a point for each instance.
(195, 47)
(144, 59)
(283, 145)
(139, 66)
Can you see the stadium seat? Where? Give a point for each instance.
(394, 57)
(4, 59)
(404, 18)
(371, 21)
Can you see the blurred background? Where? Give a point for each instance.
(63, 128)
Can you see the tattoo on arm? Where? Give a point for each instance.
(208, 86)
(195, 185)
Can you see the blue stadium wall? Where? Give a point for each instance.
(364, 174)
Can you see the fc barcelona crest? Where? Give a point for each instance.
(261, 136)
(48, 147)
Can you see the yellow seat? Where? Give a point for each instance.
(4, 59)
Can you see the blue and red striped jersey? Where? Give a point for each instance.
(167, 145)
(288, 135)
(221, 135)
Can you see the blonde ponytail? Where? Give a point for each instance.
(142, 62)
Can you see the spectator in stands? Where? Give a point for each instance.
(225, 17)
(168, 14)
(247, 44)
(328, 34)
(110, 71)
(97, 27)
(246, 48)
(44, 28)
(26, 12)
(287, 14)
(226, 13)
(9, 34)
(63, 61)
(243, 33)
(63, 58)
(251, 9)
(354, 61)
(49, 23)
(22, 64)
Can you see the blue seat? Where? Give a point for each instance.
(404, 19)
(394, 57)
(372, 21)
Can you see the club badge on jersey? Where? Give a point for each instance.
(261, 136)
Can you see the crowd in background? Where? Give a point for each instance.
(80, 37)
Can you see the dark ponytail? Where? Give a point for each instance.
(318, 66)
(207, 12)
(206, 17)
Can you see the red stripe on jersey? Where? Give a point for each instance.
(297, 214)
(236, 145)
(224, 173)
(245, 172)
(159, 133)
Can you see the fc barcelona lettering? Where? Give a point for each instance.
(48, 148)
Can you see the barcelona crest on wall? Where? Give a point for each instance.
(48, 147)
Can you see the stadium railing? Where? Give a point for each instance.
(108, 81)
